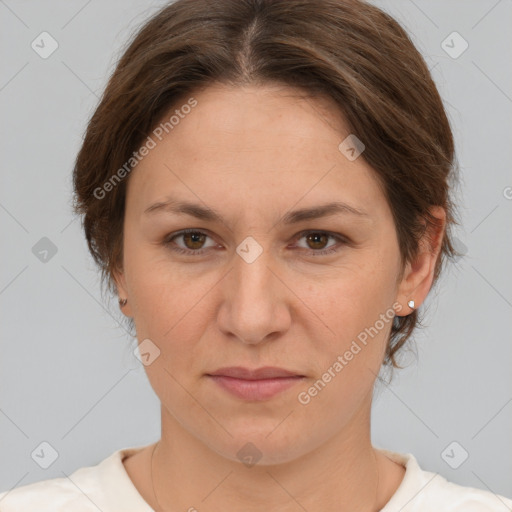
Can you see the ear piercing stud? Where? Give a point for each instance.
(411, 304)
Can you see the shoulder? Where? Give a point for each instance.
(91, 488)
(425, 491)
(55, 495)
(452, 497)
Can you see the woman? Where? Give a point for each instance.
(265, 186)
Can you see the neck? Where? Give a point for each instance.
(342, 474)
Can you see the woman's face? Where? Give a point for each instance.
(256, 288)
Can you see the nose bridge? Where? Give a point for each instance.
(252, 274)
(251, 309)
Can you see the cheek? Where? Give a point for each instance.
(351, 298)
(172, 306)
(170, 310)
(158, 289)
(352, 314)
(356, 316)
(167, 300)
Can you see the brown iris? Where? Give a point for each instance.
(197, 238)
(316, 237)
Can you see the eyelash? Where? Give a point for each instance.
(169, 242)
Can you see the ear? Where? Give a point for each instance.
(419, 274)
(122, 292)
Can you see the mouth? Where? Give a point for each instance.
(255, 385)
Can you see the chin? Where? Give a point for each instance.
(257, 447)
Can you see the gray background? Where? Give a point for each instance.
(67, 374)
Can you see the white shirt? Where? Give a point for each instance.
(107, 487)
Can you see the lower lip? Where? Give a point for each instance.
(255, 389)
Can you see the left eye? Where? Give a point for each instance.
(195, 240)
(319, 237)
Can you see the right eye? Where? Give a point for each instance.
(190, 236)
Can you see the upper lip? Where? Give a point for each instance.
(266, 372)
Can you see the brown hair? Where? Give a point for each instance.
(348, 50)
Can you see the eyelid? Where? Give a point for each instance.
(323, 231)
(341, 239)
(168, 241)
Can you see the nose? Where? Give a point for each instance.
(256, 305)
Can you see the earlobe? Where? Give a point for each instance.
(122, 291)
(419, 274)
(119, 280)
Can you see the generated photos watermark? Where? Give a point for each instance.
(149, 144)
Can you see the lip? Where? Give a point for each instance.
(265, 372)
(259, 384)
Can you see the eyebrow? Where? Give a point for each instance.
(209, 214)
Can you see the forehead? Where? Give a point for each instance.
(245, 116)
(270, 141)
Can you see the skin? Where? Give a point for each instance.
(255, 153)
